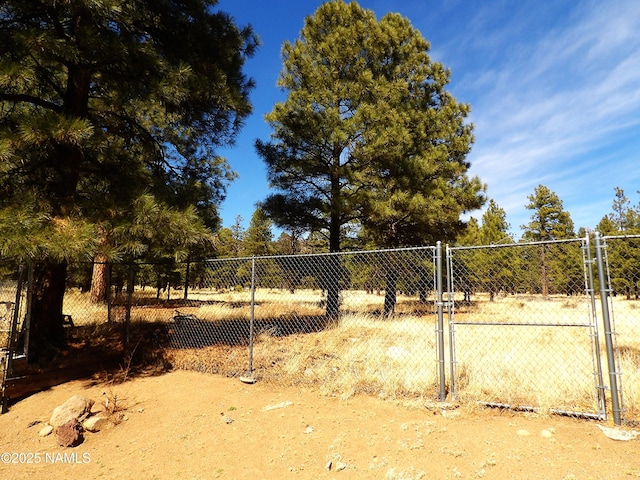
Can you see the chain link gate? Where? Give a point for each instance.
(522, 327)
(13, 333)
(622, 295)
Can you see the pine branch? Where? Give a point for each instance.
(23, 98)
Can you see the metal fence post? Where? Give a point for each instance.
(252, 318)
(13, 328)
(27, 317)
(441, 366)
(606, 320)
(450, 304)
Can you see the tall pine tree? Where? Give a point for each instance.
(368, 136)
(102, 103)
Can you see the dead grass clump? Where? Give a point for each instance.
(361, 355)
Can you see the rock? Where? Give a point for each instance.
(618, 433)
(450, 413)
(77, 407)
(70, 434)
(276, 406)
(96, 423)
(45, 431)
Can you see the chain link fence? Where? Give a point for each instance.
(12, 308)
(347, 323)
(520, 325)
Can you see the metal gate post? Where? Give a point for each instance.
(14, 322)
(441, 366)
(127, 315)
(590, 289)
(450, 306)
(611, 362)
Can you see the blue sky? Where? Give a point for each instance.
(554, 88)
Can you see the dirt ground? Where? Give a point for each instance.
(186, 425)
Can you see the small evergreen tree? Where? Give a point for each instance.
(549, 221)
(258, 239)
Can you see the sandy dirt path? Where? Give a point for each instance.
(186, 425)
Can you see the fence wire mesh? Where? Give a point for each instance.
(522, 327)
(347, 323)
(524, 321)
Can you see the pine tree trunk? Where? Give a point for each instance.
(390, 291)
(333, 287)
(46, 329)
(424, 295)
(99, 279)
(543, 273)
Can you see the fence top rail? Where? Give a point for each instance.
(325, 254)
(621, 237)
(518, 244)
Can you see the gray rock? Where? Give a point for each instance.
(96, 423)
(77, 407)
(45, 431)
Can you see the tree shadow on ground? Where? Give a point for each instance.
(103, 353)
(189, 331)
(113, 353)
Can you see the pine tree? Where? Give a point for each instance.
(495, 228)
(620, 209)
(368, 133)
(549, 221)
(238, 234)
(367, 136)
(101, 104)
(470, 236)
(258, 239)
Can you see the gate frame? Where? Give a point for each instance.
(589, 290)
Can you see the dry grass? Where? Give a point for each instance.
(543, 366)
(627, 327)
(388, 358)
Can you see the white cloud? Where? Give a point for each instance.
(545, 113)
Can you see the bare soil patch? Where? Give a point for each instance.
(192, 425)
